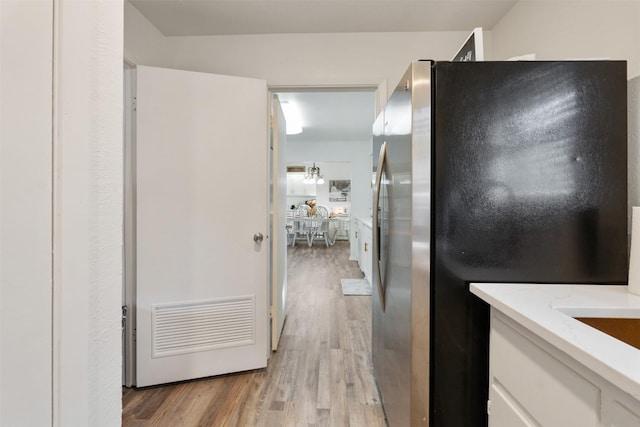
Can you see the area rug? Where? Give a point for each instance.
(355, 287)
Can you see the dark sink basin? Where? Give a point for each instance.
(624, 329)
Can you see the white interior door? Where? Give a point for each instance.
(201, 198)
(278, 223)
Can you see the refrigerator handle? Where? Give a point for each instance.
(376, 233)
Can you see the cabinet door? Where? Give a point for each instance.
(367, 261)
(503, 412)
(291, 184)
(540, 388)
(297, 187)
(360, 242)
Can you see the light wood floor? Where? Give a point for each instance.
(321, 374)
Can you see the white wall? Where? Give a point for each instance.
(61, 212)
(26, 213)
(346, 59)
(143, 43)
(333, 171)
(570, 29)
(634, 143)
(87, 200)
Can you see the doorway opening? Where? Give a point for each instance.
(335, 137)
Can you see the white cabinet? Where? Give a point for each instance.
(356, 237)
(531, 382)
(367, 251)
(364, 240)
(296, 186)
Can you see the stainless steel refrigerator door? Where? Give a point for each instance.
(401, 327)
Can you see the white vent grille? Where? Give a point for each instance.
(189, 327)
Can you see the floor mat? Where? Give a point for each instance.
(355, 287)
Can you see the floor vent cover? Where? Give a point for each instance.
(190, 327)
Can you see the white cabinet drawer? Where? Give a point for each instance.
(539, 386)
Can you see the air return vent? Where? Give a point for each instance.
(190, 327)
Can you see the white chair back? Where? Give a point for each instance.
(303, 210)
(322, 212)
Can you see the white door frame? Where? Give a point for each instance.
(277, 225)
(380, 97)
(129, 226)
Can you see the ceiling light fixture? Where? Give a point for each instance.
(292, 117)
(313, 176)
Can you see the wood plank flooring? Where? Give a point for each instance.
(321, 374)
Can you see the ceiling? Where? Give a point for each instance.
(234, 17)
(332, 116)
(327, 116)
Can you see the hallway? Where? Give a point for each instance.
(321, 374)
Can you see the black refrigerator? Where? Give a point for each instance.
(486, 172)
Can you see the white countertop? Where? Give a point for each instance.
(546, 311)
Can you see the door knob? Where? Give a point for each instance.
(258, 237)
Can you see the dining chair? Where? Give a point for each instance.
(322, 212)
(300, 228)
(319, 228)
(290, 223)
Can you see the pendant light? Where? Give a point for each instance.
(313, 175)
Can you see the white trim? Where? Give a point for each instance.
(128, 231)
(478, 42)
(55, 274)
(87, 212)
